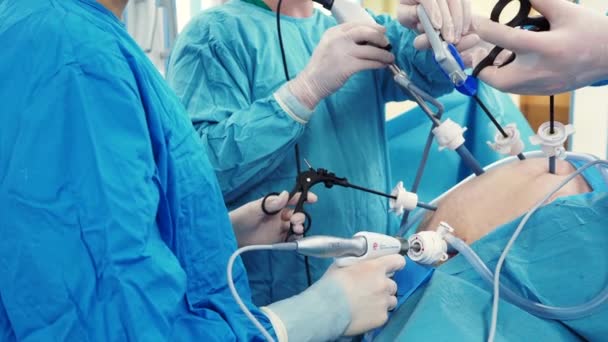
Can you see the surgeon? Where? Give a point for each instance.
(559, 259)
(113, 225)
(573, 54)
(227, 69)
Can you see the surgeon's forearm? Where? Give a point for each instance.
(249, 144)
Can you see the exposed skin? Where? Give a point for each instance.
(115, 6)
(500, 196)
(293, 8)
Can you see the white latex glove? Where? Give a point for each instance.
(370, 292)
(253, 227)
(343, 51)
(573, 54)
(345, 301)
(451, 17)
(473, 50)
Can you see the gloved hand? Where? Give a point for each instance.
(253, 227)
(473, 50)
(343, 51)
(573, 54)
(451, 17)
(345, 301)
(371, 294)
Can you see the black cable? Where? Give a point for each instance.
(552, 113)
(297, 147)
(552, 160)
(490, 116)
(298, 167)
(281, 40)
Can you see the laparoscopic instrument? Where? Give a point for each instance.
(548, 138)
(448, 133)
(311, 177)
(507, 140)
(429, 248)
(452, 65)
(362, 246)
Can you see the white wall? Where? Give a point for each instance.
(590, 110)
(186, 9)
(140, 21)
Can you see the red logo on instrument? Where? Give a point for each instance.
(375, 246)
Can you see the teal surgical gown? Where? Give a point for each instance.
(226, 66)
(112, 223)
(559, 259)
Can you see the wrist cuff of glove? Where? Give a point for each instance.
(321, 313)
(277, 324)
(291, 105)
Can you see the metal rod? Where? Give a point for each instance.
(552, 160)
(552, 113)
(490, 116)
(426, 206)
(469, 160)
(371, 191)
(419, 204)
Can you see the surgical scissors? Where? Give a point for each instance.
(522, 19)
(311, 177)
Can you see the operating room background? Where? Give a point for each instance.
(154, 24)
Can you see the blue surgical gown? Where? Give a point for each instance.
(225, 67)
(559, 259)
(112, 227)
